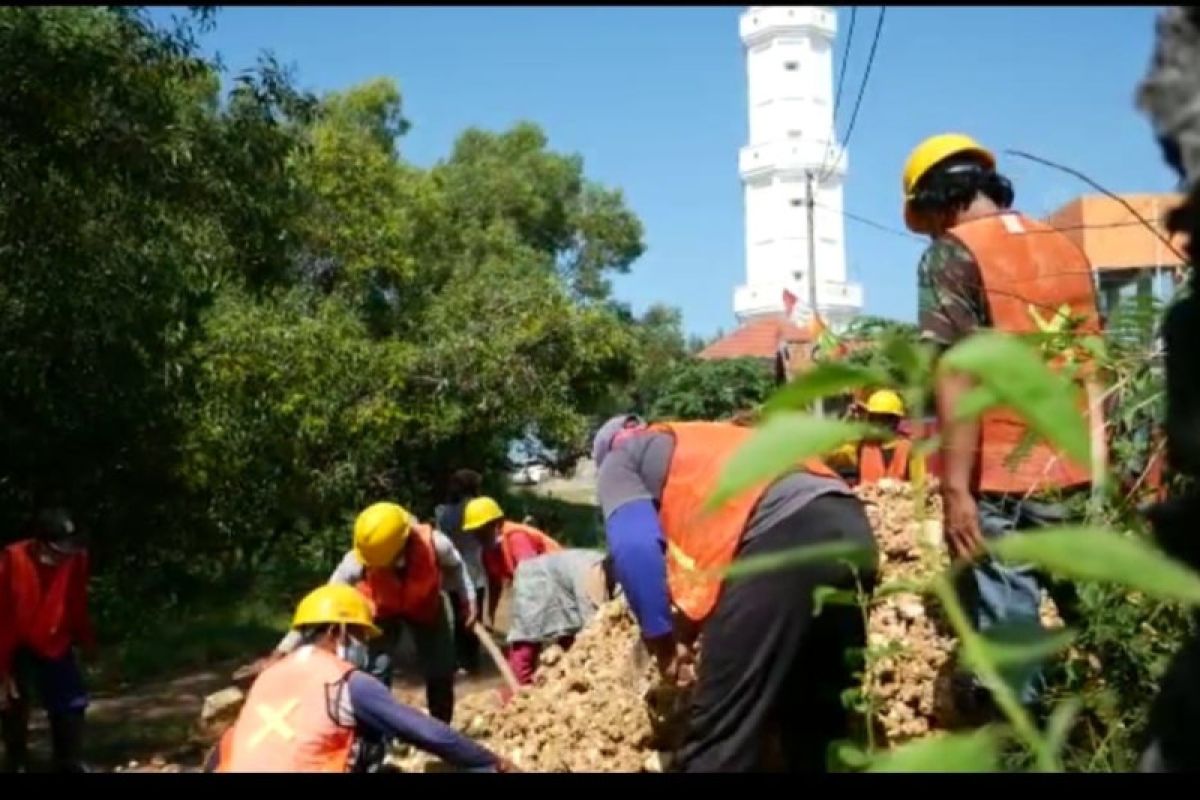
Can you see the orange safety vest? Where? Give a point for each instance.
(1029, 271)
(287, 722)
(40, 612)
(871, 466)
(500, 562)
(700, 543)
(411, 592)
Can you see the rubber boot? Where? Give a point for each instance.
(439, 696)
(15, 724)
(66, 739)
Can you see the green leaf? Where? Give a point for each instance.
(1098, 554)
(1014, 644)
(843, 753)
(978, 400)
(823, 380)
(855, 554)
(906, 354)
(780, 444)
(1021, 381)
(823, 595)
(978, 751)
(1059, 725)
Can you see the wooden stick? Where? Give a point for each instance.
(490, 645)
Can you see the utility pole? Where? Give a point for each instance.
(810, 206)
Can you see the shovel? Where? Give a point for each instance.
(489, 644)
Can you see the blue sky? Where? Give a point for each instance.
(654, 100)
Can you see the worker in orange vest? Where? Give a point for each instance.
(505, 545)
(316, 710)
(989, 266)
(768, 658)
(43, 617)
(892, 458)
(402, 567)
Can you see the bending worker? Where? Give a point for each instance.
(553, 597)
(400, 566)
(43, 618)
(317, 711)
(988, 266)
(505, 545)
(767, 657)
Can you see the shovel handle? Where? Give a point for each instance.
(489, 644)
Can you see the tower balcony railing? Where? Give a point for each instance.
(763, 22)
(793, 156)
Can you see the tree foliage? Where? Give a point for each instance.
(712, 389)
(230, 318)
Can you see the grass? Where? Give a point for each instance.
(570, 515)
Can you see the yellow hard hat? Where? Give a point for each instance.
(480, 512)
(929, 154)
(335, 603)
(885, 401)
(380, 533)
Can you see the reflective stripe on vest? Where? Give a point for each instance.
(1033, 278)
(288, 723)
(872, 466)
(700, 544)
(411, 593)
(41, 611)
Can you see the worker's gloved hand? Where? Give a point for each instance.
(504, 765)
(670, 654)
(961, 525)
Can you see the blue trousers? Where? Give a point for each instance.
(996, 594)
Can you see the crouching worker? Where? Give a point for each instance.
(553, 597)
(400, 566)
(43, 617)
(505, 545)
(891, 458)
(768, 659)
(317, 711)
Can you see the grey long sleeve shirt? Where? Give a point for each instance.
(350, 571)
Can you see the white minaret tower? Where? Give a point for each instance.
(789, 70)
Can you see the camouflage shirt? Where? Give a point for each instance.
(951, 306)
(950, 303)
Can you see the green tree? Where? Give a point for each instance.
(713, 389)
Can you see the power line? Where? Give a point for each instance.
(861, 90)
(841, 83)
(870, 223)
(1106, 192)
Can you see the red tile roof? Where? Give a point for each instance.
(759, 338)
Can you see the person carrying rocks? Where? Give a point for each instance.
(768, 661)
(317, 710)
(403, 568)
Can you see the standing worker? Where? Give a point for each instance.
(991, 267)
(464, 485)
(768, 659)
(553, 598)
(505, 545)
(43, 617)
(400, 565)
(893, 457)
(316, 711)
